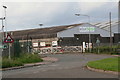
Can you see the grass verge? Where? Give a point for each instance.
(26, 58)
(109, 64)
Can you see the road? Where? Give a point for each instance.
(68, 66)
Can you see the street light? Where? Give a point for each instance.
(89, 28)
(2, 22)
(2, 29)
(5, 7)
(40, 24)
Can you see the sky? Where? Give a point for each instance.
(29, 14)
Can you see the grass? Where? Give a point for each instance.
(110, 64)
(26, 58)
(29, 58)
(10, 63)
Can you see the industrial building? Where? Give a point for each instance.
(67, 35)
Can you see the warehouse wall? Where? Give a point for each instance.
(78, 39)
(116, 38)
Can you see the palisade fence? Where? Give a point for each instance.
(17, 48)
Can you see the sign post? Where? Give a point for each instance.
(98, 44)
(9, 52)
(9, 40)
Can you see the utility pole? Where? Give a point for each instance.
(110, 31)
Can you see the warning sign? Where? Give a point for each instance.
(8, 39)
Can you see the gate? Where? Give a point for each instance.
(47, 50)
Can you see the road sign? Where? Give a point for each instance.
(3, 46)
(8, 39)
(98, 41)
(42, 43)
(54, 43)
(87, 29)
(35, 44)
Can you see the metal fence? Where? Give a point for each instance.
(64, 49)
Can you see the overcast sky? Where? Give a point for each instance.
(28, 15)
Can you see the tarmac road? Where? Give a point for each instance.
(68, 66)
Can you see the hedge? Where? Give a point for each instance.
(105, 50)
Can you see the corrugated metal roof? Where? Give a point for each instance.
(42, 32)
(106, 25)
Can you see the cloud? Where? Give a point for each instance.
(29, 13)
(61, 0)
(87, 7)
(26, 15)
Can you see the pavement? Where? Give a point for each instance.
(66, 66)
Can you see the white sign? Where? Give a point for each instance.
(84, 46)
(54, 43)
(42, 43)
(87, 29)
(35, 44)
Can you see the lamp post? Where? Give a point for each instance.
(2, 27)
(5, 7)
(89, 29)
(2, 19)
(2, 33)
(41, 25)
